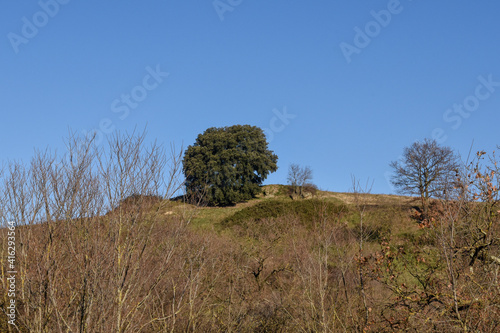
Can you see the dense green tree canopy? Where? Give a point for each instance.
(226, 165)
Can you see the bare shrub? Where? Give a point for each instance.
(79, 270)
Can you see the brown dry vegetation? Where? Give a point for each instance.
(100, 252)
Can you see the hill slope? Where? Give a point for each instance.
(329, 262)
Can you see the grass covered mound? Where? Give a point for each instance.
(306, 210)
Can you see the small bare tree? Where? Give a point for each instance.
(298, 177)
(425, 169)
(361, 203)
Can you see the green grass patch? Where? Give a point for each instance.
(306, 210)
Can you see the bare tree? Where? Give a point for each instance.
(298, 177)
(425, 169)
(361, 203)
(89, 234)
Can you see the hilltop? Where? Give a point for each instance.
(389, 212)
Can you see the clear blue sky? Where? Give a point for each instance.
(352, 101)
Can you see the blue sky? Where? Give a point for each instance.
(341, 86)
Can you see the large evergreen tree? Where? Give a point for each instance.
(226, 165)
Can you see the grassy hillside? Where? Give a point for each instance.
(329, 262)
